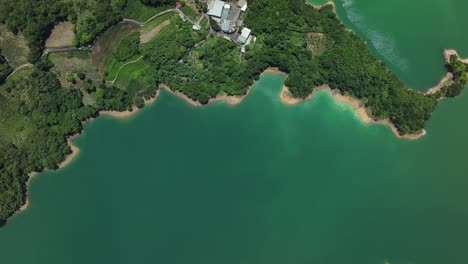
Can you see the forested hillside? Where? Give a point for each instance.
(5, 68)
(35, 18)
(41, 107)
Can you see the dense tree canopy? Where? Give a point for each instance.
(460, 78)
(5, 68)
(158, 2)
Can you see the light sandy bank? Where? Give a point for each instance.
(327, 3)
(75, 150)
(449, 52)
(128, 113)
(361, 111)
(69, 158)
(448, 78)
(230, 99)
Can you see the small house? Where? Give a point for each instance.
(245, 34)
(216, 9)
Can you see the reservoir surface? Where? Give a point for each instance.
(266, 183)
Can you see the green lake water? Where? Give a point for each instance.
(265, 183)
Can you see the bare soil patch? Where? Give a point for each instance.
(149, 35)
(316, 43)
(72, 63)
(14, 47)
(62, 36)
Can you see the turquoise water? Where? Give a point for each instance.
(409, 35)
(260, 182)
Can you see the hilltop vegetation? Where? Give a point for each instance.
(460, 77)
(36, 18)
(5, 68)
(43, 106)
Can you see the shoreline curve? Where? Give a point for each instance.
(75, 150)
(356, 104)
(285, 97)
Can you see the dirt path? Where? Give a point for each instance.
(26, 65)
(121, 67)
(56, 50)
(141, 24)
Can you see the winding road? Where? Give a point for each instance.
(142, 24)
(125, 20)
(22, 66)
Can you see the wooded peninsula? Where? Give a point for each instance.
(120, 54)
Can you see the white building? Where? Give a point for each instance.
(215, 8)
(245, 34)
(242, 4)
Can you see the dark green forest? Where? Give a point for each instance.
(460, 78)
(39, 112)
(5, 68)
(158, 2)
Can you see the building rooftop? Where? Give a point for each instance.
(217, 9)
(226, 25)
(244, 7)
(245, 33)
(225, 13)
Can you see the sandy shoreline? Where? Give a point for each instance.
(449, 52)
(68, 159)
(327, 3)
(127, 113)
(285, 97)
(230, 99)
(75, 150)
(448, 78)
(361, 111)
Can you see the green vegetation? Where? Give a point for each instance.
(5, 68)
(214, 25)
(13, 46)
(158, 2)
(460, 77)
(35, 18)
(108, 42)
(128, 48)
(135, 9)
(188, 11)
(157, 21)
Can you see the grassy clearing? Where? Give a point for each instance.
(62, 36)
(106, 44)
(157, 21)
(68, 65)
(116, 66)
(73, 63)
(136, 10)
(145, 38)
(188, 11)
(130, 72)
(205, 27)
(169, 29)
(14, 47)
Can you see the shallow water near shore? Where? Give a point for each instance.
(409, 35)
(260, 182)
